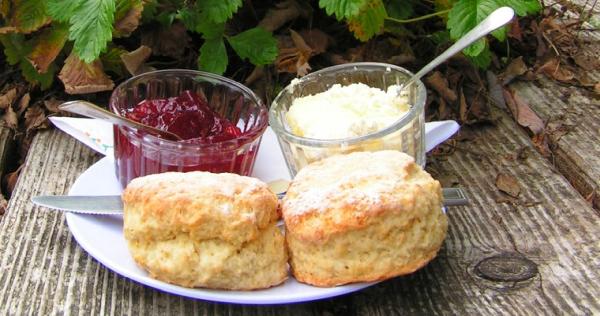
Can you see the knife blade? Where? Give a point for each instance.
(113, 205)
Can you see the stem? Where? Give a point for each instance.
(420, 18)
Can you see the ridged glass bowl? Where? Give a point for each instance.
(138, 154)
(406, 134)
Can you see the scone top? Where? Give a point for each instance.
(347, 192)
(224, 206)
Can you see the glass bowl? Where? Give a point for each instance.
(138, 154)
(406, 134)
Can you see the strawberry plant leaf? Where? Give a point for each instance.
(465, 15)
(524, 7)
(255, 44)
(343, 8)
(29, 15)
(483, 59)
(219, 11)
(47, 46)
(91, 28)
(213, 56)
(369, 21)
(32, 75)
(61, 10)
(15, 47)
(111, 60)
(198, 22)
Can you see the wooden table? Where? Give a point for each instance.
(536, 254)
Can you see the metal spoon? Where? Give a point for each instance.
(494, 21)
(91, 110)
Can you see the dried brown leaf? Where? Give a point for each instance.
(79, 77)
(125, 26)
(170, 41)
(35, 118)
(462, 108)
(553, 69)
(508, 184)
(515, 30)
(293, 59)
(23, 103)
(134, 61)
(522, 112)
(516, 68)
(10, 180)
(597, 88)
(540, 142)
(282, 13)
(440, 84)
(47, 46)
(586, 61)
(10, 118)
(7, 99)
(318, 40)
(495, 90)
(52, 105)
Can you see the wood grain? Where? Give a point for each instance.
(44, 271)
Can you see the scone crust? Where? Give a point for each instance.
(200, 229)
(363, 216)
(222, 206)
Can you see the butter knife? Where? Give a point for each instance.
(113, 205)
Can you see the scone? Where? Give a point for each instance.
(201, 229)
(363, 216)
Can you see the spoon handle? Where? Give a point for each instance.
(494, 21)
(89, 109)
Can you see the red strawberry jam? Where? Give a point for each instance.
(189, 116)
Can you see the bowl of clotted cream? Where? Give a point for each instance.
(347, 108)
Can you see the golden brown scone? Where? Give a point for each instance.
(363, 216)
(200, 229)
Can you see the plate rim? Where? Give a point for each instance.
(222, 296)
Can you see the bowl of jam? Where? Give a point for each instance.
(220, 123)
(346, 108)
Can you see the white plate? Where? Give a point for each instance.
(102, 237)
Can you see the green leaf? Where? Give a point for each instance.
(30, 74)
(111, 60)
(15, 50)
(465, 15)
(29, 15)
(150, 7)
(61, 10)
(483, 59)
(256, 44)
(524, 7)
(47, 45)
(369, 21)
(122, 7)
(219, 11)
(343, 8)
(213, 56)
(400, 10)
(91, 28)
(15, 47)
(198, 22)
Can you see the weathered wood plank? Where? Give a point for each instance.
(576, 154)
(44, 271)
